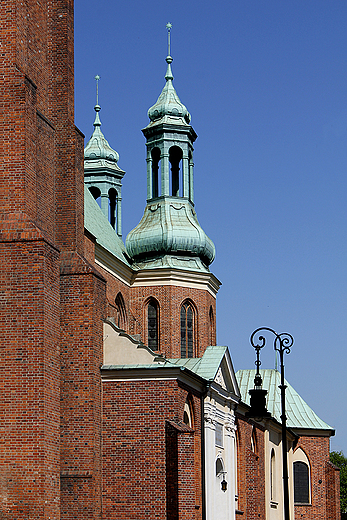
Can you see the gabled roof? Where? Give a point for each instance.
(98, 225)
(214, 366)
(299, 414)
(205, 366)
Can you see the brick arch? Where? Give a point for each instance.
(189, 403)
(121, 313)
(254, 440)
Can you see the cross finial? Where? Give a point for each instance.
(168, 26)
(97, 78)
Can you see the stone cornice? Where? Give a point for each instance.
(177, 277)
(110, 373)
(154, 277)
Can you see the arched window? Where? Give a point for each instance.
(155, 153)
(272, 475)
(188, 414)
(253, 442)
(152, 324)
(175, 157)
(96, 194)
(212, 326)
(236, 467)
(301, 483)
(112, 206)
(121, 317)
(219, 467)
(187, 330)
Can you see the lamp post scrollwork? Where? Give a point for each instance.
(282, 344)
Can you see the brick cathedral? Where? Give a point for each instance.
(116, 402)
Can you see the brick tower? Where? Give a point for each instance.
(52, 299)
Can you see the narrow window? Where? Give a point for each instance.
(212, 327)
(152, 325)
(187, 414)
(155, 172)
(253, 442)
(112, 197)
(121, 317)
(175, 157)
(272, 475)
(301, 483)
(190, 177)
(219, 435)
(187, 330)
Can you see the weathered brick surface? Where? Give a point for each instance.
(41, 238)
(139, 455)
(29, 383)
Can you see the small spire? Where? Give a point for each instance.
(97, 107)
(169, 60)
(169, 27)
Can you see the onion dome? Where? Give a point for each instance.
(97, 146)
(168, 103)
(169, 226)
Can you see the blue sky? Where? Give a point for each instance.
(265, 83)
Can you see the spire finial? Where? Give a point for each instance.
(168, 26)
(97, 78)
(97, 107)
(169, 60)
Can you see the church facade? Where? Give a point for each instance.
(115, 400)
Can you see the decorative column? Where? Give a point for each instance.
(230, 429)
(210, 428)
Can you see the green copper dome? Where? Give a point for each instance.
(168, 103)
(97, 146)
(169, 226)
(169, 233)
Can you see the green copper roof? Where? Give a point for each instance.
(169, 226)
(299, 414)
(168, 103)
(205, 367)
(97, 146)
(98, 225)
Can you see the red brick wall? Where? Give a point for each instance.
(324, 481)
(170, 299)
(29, 314)
(138, 453)
(41, 237)
(251, 470)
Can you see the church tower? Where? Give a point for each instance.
(102, 174)
(169, 248)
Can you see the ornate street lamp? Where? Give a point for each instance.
(282, 344)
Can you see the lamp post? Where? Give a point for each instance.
(282, 344)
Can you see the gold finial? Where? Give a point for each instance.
(97, 78)
(168, 26)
